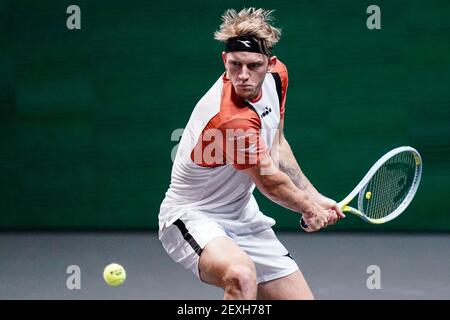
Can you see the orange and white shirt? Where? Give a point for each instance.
(224, 135)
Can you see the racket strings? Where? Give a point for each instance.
(400, 185)
(381, 184)
(395, 192)
(389, 186)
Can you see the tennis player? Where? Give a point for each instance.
(209, 221)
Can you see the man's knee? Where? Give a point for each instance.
(241, 278)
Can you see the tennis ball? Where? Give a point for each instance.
(114, 274)
(368, 195)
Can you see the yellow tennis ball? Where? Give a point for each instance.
(368, 195)
(114, 274)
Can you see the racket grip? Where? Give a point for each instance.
(303, 224)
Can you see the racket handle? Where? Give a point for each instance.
(303, 224)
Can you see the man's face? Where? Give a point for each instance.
(247, 71)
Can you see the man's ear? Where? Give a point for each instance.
(224, 57)
(272, 62)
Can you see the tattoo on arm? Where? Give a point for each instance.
(295, 174)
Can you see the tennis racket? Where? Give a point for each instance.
(387, 189)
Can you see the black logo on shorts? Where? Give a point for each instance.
(267, 110)
(289, 255)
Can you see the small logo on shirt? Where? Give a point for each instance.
(267, 110)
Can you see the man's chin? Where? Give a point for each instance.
(245, 94)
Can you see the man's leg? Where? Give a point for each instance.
(291, 287)
(223, 264)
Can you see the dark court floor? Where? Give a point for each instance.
(336, 265)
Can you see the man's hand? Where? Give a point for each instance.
(317, 218)
(325, 212)
(331, 205)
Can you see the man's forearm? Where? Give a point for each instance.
(280, 189)
(289, 165)
(294, 173)
(288, 186)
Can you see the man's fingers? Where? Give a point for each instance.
(331, 204)
(339, 211)
(316, 223)
(332, 216)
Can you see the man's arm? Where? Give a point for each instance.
(282, 153)
(278, 187)
(289, 165)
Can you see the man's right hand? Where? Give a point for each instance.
(317, 218)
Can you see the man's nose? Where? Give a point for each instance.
(244, 75)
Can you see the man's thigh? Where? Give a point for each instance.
(186, 238)
(219, 256)
(291, 287)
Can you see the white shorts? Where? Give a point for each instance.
(185, 239)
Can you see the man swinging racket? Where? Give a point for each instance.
(209, 221)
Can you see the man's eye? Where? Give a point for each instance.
(235, 63)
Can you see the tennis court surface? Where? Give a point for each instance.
(336, 265)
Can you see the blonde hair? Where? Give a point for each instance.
(250, 22)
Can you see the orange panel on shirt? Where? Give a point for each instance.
(231, 136)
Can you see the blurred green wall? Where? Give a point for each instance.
(86, 116)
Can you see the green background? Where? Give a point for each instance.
(86, 116)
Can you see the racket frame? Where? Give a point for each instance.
(361, 187)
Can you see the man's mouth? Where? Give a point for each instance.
(245, 86)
